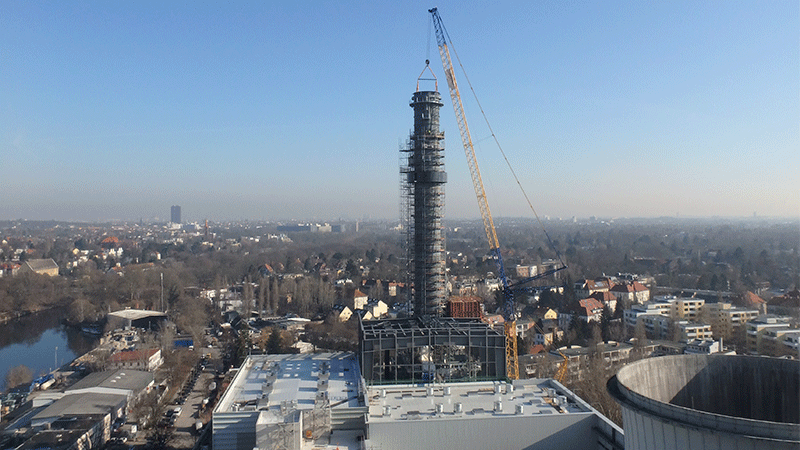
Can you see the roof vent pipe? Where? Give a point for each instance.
(430, 391)
(498, 406)
(383, 393)
(447, 390)
(439, 408)
(498, 388)
(519, 409)
(387, 411)
(458, 408)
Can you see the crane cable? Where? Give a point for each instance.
(508, 163)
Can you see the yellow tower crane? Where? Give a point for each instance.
(509, 315)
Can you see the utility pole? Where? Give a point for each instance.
(56, 358)
(162, 291)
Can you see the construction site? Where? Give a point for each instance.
(442, 377)
(432, 345)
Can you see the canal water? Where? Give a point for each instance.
(41, 343)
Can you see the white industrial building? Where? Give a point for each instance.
(320, 401)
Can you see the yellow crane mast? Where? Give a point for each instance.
(510, 326)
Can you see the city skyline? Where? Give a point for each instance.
(274, 111)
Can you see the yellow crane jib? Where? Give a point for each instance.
(510, 328)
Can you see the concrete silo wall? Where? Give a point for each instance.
(701, 401)
(742, 386)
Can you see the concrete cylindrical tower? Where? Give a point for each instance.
(721, 402)
(424, 191)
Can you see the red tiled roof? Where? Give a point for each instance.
(752, 299)
(604, 296)
(536, 349)
(590, 305)
(629, 287)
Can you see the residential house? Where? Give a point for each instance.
(687, 331)
(548, 333)
(606, 298)
(753, 301)
(342, 312)
(787, 304)
(758, 328)
(587, 310)
(377, 308)
(702, 346)
(41, 266)
(685, 308)
(360, 299)
(9, 269)
(146, 359)
(585, 288)
(726, 319)
(526, 271)
(631, 292)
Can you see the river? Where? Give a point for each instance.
(40, 342)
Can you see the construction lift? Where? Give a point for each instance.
(508, 312)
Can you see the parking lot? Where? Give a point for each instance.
(190, 403)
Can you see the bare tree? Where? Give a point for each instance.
(18, 375)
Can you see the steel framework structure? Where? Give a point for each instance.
(430, 349)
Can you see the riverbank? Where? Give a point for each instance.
(41, 342)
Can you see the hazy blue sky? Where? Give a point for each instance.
(117, 110)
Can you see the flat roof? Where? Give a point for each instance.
(136, 314)
(531, 397)
(133, 380)
(292, 378)
(82, 405)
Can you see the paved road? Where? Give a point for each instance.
(185, 434)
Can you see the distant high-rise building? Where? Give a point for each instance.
(175, 213)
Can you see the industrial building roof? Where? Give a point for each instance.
(136, 314)
(52, 440)
(292, 378)
(460, 401)
(132, 380)
(268, 392)
(81, 405)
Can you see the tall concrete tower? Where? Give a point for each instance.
(423, 179)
